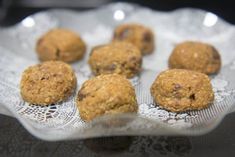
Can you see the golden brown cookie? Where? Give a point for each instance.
(195, 56)
(106, 94)
(118, 57)
(141, 36)
(47, 83)
(179, 90)
(60, 44)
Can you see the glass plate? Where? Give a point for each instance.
(62, 121)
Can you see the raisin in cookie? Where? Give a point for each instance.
(47, 83)
(180, 90)
(60, 44)
(195, 56)
(106, 94)
(141, 36)
(118, 57)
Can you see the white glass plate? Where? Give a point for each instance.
(62, 121)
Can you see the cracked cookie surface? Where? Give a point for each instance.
(195, 56)
(60, 44)
(139, 35)
(117, 57)
(106, 94)
(47, 83)
(179, 90)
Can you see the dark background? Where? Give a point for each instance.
(12, 11)
(15, 141)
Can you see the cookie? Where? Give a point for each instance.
(47, 83)
(179, 90)
(106, 94)
(118, 57)
(195, 56)
(60, 44)
(141, 36)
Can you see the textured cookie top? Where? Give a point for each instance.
(117, 57)
(47, 83)
(181, 90)
(141, 36)
(60, 44)
(196, 56)
(106, 94)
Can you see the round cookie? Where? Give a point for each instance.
(47, 83)
(117, 57)
(106, 94)
(60, 44)
(141, 36)
(179, 90)
(195, 56)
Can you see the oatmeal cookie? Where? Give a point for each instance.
(106, 94)
(141, 36)
(118, 57)
(47, 83)
(195, 56)
(179, 90)
(60, 44)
